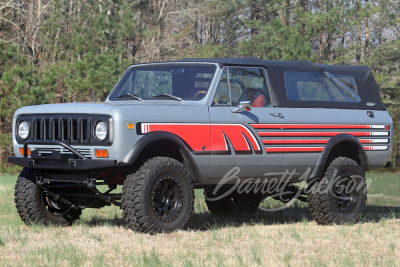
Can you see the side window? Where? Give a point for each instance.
(222, 94)
(320, 86)
(248, 84)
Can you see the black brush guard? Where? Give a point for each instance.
(47, 168)
(58, 161)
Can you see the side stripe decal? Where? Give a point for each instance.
(297, 138)
(322, 133)
(312, 138)
(209, 137)
(315, 126)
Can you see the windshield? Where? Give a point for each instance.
(165, 82)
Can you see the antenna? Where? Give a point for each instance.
(91, 81)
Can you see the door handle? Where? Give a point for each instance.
(278, 115)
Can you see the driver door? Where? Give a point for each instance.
(239, 139)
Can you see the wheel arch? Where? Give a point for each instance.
(341, 145)
(163, 144)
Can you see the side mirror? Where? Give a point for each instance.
(243, 106)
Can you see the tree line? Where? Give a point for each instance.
(48, 48)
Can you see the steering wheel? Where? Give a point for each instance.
(199, 93)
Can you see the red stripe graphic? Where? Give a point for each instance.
(319, 141)
(377, 141)
(206, 137)
(315, 126)
(236, 134)
(369, 148)
(293, 149)
(313, 149)
(322, 141)
(281, 134)
(190, 133)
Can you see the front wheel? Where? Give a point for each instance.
(159, 197)
(33, 206)
(341, 195)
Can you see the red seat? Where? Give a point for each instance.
(259, 101)
(256, 97)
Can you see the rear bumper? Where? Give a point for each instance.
(57, 161)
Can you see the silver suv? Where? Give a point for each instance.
(170, 127)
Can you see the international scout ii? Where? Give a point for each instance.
(170, 127)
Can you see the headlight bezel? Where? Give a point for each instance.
(28, 125)
(106, 133)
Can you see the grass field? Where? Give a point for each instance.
(287, 237)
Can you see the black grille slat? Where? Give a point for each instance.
(88, 131)
(47, 130)
(74, 130)
(41, 129)
(77, 131)
(36, 129)
(55, 129)
(66, 130)
(63, 129)
(83, 129)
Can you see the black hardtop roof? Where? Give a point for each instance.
(273, 63)
(366, 85)
(299, 65)
(227, 61)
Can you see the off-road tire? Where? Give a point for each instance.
(140, 209)
(245, 204)
(327, 205)
(31, 204)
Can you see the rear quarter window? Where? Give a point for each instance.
(320, 86)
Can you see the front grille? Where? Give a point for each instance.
(62, 129)
(70, 129)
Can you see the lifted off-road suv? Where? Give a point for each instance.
(168, 128)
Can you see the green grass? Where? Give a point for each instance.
(383, 200)
(287, 237)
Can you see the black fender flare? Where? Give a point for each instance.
(318, 171)
(148, 138)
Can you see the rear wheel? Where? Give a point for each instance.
(34, 206)
(341, 195)
(159, 197)
(235, 203)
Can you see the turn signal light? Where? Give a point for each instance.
(101, 153)
(21, 151)
(131, 126)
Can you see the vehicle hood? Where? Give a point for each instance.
(97, 107)
(70, 108)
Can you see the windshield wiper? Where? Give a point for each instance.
(131, 96)
(168, 95)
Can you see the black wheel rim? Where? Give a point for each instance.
(345, 193)
(167, 198)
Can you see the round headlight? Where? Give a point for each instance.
(23, 130)
(101, 131)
